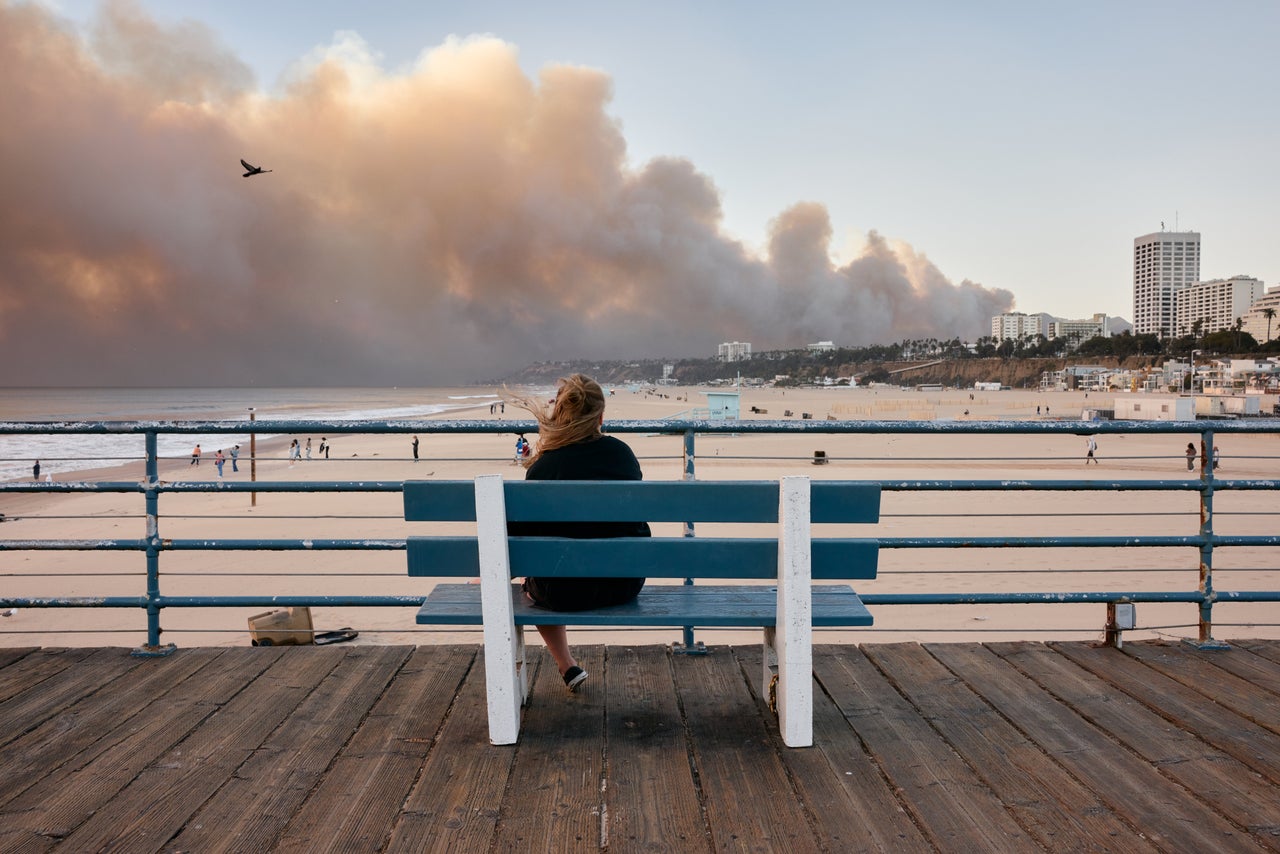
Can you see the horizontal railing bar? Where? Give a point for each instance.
(1005, 485)
(377, 544)
(430, 425)
(1023, 598)
(260, 601)
(1076, 542)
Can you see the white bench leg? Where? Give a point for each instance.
(795, 614)
(505, 680)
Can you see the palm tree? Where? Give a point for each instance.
(1268, 313)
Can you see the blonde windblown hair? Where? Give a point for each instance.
(572, 417)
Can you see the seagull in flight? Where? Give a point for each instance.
(253, 170)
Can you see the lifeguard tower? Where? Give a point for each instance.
(723, 405)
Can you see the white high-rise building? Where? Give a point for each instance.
(1215, 304)
(1163, 263)
(734, 351)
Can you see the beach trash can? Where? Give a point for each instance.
(282, 627)
(819, 458)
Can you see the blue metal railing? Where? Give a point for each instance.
(152, 544)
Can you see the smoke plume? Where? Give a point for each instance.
(442, 224)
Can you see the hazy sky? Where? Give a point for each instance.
(460, 189)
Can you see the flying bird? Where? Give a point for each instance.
(253, 170)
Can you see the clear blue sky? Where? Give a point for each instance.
(1019, 145)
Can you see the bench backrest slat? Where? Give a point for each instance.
(657, 557)
(649, 501)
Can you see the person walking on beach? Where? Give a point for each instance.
(1091, 446)
(415, 449)
(35, 471)
(324, 447)
(195, 456)
(308, 447)
(294, 453)
(235, 458)
(219, 460)
(1215, 457)
(571, 446)
(1191, 456)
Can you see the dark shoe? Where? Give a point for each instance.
(573, 677)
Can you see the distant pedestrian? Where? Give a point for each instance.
(1215, 457)
(235, 458)
(308, 447)
(1091, 446)
(35, 471)
(195, 456)
(324, 447)
(219, 460)
(295, 452)
(1191, 456)
(415, 449)
(1037, 411)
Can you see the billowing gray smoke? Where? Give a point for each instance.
(443, 224)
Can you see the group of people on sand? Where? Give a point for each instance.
(219, 458)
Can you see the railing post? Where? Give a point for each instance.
(688, 646)
(1206, 640)
(151, 492)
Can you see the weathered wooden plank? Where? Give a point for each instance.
(251, 810)
(49, 696)
(1191, 668)
(749, 801)
(63, 800)
(8, 655)
(1224, 783)
(1186, 708)
(1057, 810)
(456, 802)
(554, 800)
(952, 806)
(30, 670)
(1165, 812)
(657, 605)
(356, 804)
(153, 806)
(83, 729)
(1259, 671)
(854, 807)
(651, 800)
(1268, 649)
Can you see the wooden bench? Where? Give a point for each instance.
(787, 611)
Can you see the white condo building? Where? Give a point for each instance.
(1256, 322)
(734, 351)
(1014, 326)
(1163, 263)
(1215, 304)
(1080, 330)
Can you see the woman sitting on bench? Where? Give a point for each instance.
(572, 447)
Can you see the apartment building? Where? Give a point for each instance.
(1163, 263)
(1215, 304)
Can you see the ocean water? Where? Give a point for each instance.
(63, 455)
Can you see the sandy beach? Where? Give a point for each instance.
(887, 458)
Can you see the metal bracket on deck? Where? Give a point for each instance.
(148, 651)
(1210, 645)
(698, 648)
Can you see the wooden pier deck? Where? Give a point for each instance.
(350, 748)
